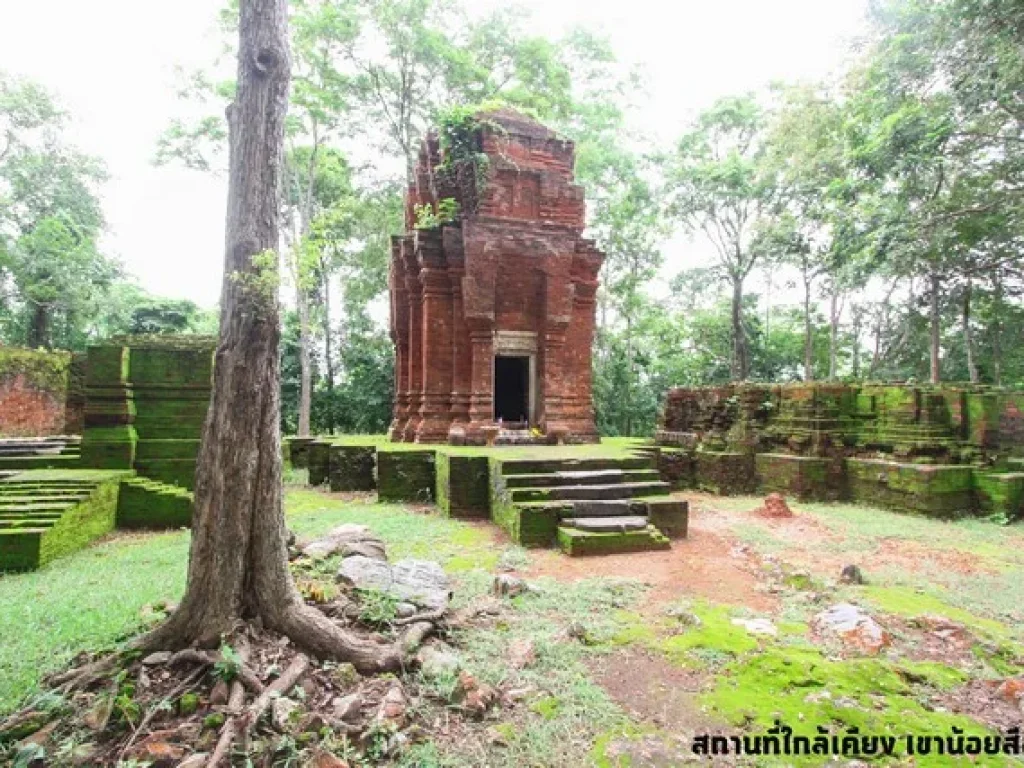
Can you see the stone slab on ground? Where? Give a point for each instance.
(421, 582)
(607, 524)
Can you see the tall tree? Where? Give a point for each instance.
(723, 186)
(238, 563)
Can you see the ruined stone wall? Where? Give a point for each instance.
(33, 392)
(942, 450)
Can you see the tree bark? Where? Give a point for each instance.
(39, 329)
(934, 322)
(972, 366)
(238, 562)
(305, 363)
(328, 352)
(997, 331)
(835, 312)
(740, 358)
(808, 334)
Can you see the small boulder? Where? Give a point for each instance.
(522, 653)
(854, 627)
(349, 708)
(318, 550)
(473, 696)
(421, 582)
(393, 707)
(851, 574)
(345, 676)
(508, 586)
(757, 626)
(154, 659)
(774, 506)
(369, 548)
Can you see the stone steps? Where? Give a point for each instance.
(583, 477)
(575, 542)
(589, 492)
(607, 523)
(550, 466)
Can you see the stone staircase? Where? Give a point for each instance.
(587, 506)
(147, 503)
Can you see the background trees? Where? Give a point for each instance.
(867, 227)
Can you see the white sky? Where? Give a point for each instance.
(112, 63)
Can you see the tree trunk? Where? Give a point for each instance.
(834, 313)
(997, 331)
(740, 359)
(628, 394)
(935, 328)
(858, 319)
(305, 364)
(39, 329)
(328, 354)
(972, 366)
(238, 562)
(808, 334)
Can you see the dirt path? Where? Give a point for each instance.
(703, 565)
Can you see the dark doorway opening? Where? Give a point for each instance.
(512, 390)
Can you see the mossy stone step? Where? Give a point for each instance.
(548, 466)
(29, 522)
(589, 492)
(584, 477)
(46, 506)
(576, 543)
(607, 524)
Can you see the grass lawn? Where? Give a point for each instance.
(97, 596)
(632, 655)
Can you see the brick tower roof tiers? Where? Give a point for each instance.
(492, 313)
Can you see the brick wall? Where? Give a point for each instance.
(33, 392)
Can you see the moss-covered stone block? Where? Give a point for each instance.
(352, 467)
(670, 516)
(319, 462)
(580, 543)
(808, 478)
(463, 486)
(298, 451)
(726, 473)
(180, 472)
(405, 475)
(677, 467)
(930, 489)
(1000, 493)
(146, 503)
(111, 447)
(31, 537)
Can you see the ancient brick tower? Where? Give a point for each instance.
(492, 313)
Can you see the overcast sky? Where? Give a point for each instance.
(112, 64)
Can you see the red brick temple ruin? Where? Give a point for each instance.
(492, 312)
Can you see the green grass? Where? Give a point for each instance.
(90, 600)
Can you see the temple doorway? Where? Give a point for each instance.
(512, 390)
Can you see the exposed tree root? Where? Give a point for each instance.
(239, 724)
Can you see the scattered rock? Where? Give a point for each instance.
(473, 696)
(374, 549)
(405, 610)
(852, 574)
(854, 627)
(508, 586)
(321, 549)
(219, 694)
(775, 506)
(578, 631)
(1012, 690)
(522, 653)
(683, 616)
(284, 713)
(349, 708)
(160, 657)
(421, 582)
(757, 626)
(392, 707)
(438, 660)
